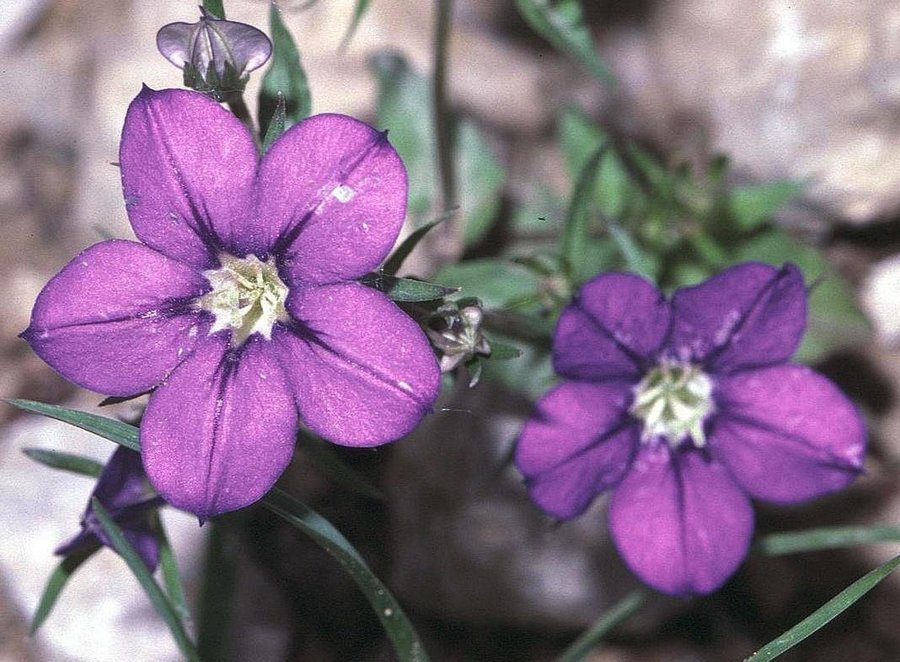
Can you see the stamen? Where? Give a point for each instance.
(673, 401)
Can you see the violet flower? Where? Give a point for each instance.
(124, 491)
(216, 55)
(240, 309)
(686, 409)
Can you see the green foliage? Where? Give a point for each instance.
(405, 109)
(277, 124)
(825, 614)
(593, 637)
(813, 540)
(561, 23)
(406, 289)
(77, 464)
(285, 77)
(359, 11)
(214, 7)
(57, 582)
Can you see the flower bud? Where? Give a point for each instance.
(455, 330)
(216, 55)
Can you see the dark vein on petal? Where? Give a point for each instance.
(639, 361)
(597, 441)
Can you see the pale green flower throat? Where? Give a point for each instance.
(673, 400)
(247, 296)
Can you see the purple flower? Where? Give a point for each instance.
(240, 309)
(686, 409)
(124, 492)
(216, 55)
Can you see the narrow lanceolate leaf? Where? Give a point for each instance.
(172, 575)
(77, 464)
(55, 585)
(324, 456)
(826, 538)
(108, 428)
(406, 289)
(285, 75)
(393, 619)
(139, 569)
(358, 12)
(561, 23)
(276, 124)
(594, 636)
(575, 232)
(395, 261)
(824, 614)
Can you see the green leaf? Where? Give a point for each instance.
(393, 619)
(323, 455)
(395, 261)
(214, 7)
(496, 283)
(594, 636)
(834, 319)
(636, 258)
(406, 289)
(171, 574)
(614, 191)
(160, 602)
(561, 23)
(503, 351)
(751, 206)
(58, 579)
(578, 216)
(77, 464)
(276, 124)
(285, 75)
(108, 428)
(358, 11)
(776, 544)
(404, 108)
(217, 592)
(824, 614)
(481, 180)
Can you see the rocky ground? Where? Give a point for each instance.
(807, 89)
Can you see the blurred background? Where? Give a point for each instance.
(799, 90)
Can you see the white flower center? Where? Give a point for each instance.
(247, 297)
(673, 400)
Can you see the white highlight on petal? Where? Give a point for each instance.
(343, 193)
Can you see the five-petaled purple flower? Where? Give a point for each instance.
(687, 408)
(240, 309)
(124, 492)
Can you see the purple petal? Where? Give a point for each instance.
(749, 315)
(333, 192)
(362, 371)
(116, 319)
(214, 41)
(680, 522)
(614, 323)
(787, 433)
(123, 481)
(188, 169)
(220, 430)
(578, 443)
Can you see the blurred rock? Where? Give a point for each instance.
(880, 299)
(807, 90)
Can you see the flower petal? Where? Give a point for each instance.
(578, 443)
(117, 318)
(679, 521)
(220, 430)
(188, 169)
(345, 202)
(614, 324)
(362, 371)
(749, 315)
(787, 433)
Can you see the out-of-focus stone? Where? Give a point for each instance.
(807, 90)
(880, 298)
(467, 543)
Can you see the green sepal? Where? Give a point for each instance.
(215, 8)
(406, 289)
(276, 125)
